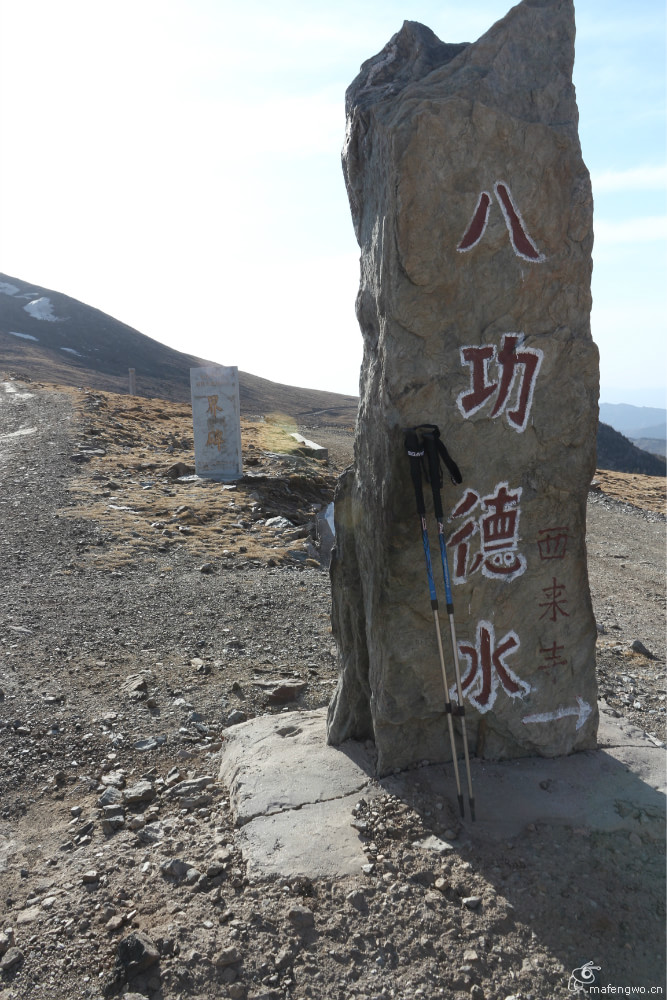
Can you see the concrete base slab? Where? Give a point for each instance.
(316, 841)
(275, 764)
(619, 786)
(293, 795)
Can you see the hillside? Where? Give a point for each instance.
(616, 452)
(52, 337)
(635, 421)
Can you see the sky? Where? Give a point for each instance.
(176, 163)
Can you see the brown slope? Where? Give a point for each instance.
(82, 346)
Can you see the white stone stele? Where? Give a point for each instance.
(216, 420)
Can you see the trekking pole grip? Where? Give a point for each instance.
(433, 460)
(415, 452)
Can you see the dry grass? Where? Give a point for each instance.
(127, 490)
(647, 492)
(140, 511)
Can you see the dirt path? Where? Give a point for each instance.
(123, 661)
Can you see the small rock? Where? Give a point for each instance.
(173, 777)
(150, 744)
(76, 811)
(190, 787)
(135, 685)
(228, 956)
(181, 870)
(115, 923)
(284, 959)
(279, 693)
(143, 791)
(11, 958)
(178, 470)
(192, 802)
(476, 992)
(114, 778)
(436, 844)
(5, 942)
(29, 914)
(90, 877)
(136, 952)
(358, 900)
(470, 955)
(278, 523)
(236, 717)
(207, 568)
(111, 796)
(472, 902)
(301, 916)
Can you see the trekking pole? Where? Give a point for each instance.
(435, 450)
(415, 455)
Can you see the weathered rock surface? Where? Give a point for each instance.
(473, 210)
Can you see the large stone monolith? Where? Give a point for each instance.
(473, 210)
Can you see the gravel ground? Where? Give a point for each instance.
(137, 625)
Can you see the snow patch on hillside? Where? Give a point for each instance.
(70, 350)
(7, 289)
(25, 336)
(41, 309)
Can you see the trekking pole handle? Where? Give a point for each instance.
(415, 452)
(433, 431)
(433, 460)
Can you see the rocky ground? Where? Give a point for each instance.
(142, 615)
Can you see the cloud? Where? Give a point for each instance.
(633, 179)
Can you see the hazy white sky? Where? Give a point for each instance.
(176, 163)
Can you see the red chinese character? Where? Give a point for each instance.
(488, 669)
(498, 529)
(553, 544)
(522, 244)
(555, 601)
(520, 367)
(551, 656)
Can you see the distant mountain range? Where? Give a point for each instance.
(645, 426)
(55, 338)
(51, 337)
(618, 453)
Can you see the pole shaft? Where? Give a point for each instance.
(448, 705)
(431, 441)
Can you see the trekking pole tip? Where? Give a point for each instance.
(460, 798)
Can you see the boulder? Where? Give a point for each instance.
(473, 210)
